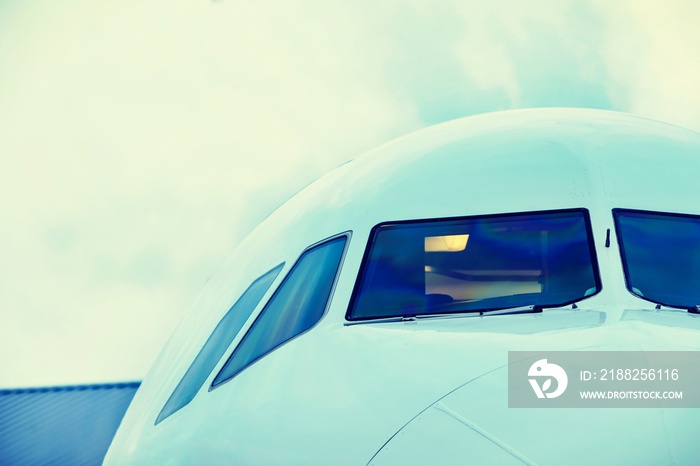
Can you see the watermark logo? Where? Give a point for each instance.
(603, 379)
(547, 371)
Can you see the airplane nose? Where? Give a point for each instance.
(473, 425)
(437, 437)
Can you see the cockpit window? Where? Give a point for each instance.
(476, 264)
(297, 305)
(660, 256)
(217, 343)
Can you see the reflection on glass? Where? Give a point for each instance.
(295, 307)
(217, 343)
(446, 243)
(661, 255)
(476, 263)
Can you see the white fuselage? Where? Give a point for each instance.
(436, 390)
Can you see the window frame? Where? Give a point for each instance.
(347, 235)
(623, 255)
(375, 229)
(192, 369)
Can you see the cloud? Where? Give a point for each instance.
(650, 51)
(141, 141)
(454, 59)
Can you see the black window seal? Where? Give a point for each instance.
(348, 236)
(373, 233)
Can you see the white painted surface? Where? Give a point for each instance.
(337, 394)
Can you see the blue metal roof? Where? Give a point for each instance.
(71, 425)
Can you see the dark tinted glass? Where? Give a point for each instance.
(218, 342)
(661, 256)
(298, 304)
(476, 264)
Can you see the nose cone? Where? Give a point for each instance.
(474, 425)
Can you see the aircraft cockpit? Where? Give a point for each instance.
(370, 318)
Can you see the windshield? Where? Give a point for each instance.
(476, 264)
(660, 255)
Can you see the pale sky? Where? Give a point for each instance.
(141, 140)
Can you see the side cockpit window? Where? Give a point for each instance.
(476, 264)
(297, 305)
(660, 256)
(218, 343)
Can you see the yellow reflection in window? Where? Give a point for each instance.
(449, 243)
